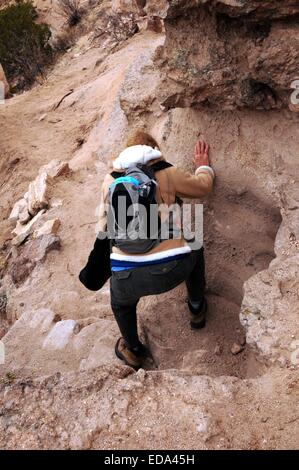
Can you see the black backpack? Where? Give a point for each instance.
(97, 270)
(133, 219)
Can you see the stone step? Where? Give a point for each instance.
(38, 344)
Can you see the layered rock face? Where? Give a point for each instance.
(254, 9)
(242, 56)
(229, 53)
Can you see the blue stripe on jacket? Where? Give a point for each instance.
(121, 265)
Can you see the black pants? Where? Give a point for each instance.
(128, 286)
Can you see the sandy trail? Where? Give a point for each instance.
(241, 221)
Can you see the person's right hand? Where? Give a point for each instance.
(201, 154)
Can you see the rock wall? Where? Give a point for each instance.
(253, 9)
(229, 53)
(220, 56)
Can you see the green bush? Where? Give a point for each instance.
(24, 44)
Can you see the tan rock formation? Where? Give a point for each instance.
(208, 67)
(38, 194)
(55, 168)
(23, 231)
(49, 227)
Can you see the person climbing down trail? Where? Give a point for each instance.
(151, 265)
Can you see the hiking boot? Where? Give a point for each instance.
(198, 316)
(130, 358)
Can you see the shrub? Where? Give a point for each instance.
(119, 27)
(24, 44)
(64, 40)
(71, 10)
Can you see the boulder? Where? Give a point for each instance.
(24, 216)
(37, 193)
(49, 227)
(269, 311)
(19, 206)
(36, 198)
(55, 168)
(60, 335)
(23, 231)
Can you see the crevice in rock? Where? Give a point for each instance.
(233, 254)
(255, 94)
(231, 59)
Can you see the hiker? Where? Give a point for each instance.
(150, 267)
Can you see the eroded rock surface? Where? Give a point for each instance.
(112, 408)
(40, 343)
(234, 56)
(270, 311)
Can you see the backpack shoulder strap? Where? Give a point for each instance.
(158, 166)
(161, 165)
(117, 174)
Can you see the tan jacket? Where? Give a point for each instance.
(172, 182)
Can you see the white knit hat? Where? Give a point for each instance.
(135, 154)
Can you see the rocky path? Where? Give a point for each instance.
(214, 388)
(54, 285)
(113, 408)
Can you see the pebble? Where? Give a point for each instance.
(236, 348)
(218, 350)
